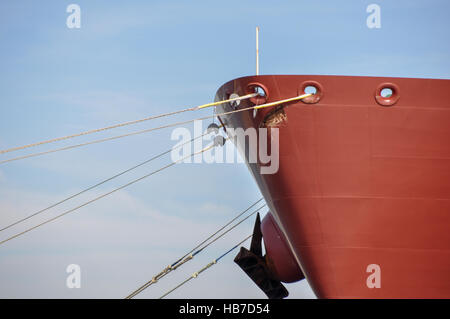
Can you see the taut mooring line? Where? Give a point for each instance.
(199, 107)
(106, 194)
(157, 128)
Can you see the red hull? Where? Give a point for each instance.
(359, 182)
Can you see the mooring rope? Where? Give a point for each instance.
(106, 194)
(196, 250)
(158, 128)
(100, 183)
(209, 265)
(199, 107)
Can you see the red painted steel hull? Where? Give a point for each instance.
(359, 183)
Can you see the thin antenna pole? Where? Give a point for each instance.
(257, 50)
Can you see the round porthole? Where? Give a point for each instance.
(387, 94)
(311, 87)
(263, 93)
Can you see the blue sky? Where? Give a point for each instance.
(137, 58)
